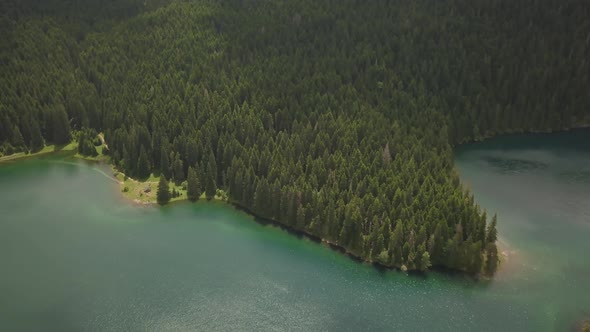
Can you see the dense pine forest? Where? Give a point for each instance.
(333, 117)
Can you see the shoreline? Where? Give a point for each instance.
(284, 227)
(134, 192)
(508, 257)
(583, 125)
(70, 148)
(141, 199)
(351, 255)
(143, 193)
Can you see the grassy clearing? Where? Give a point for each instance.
(139, 191)
(99, 157)
(48, 149)
(145, 191)
(136, 190)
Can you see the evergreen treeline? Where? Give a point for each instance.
(335, 118)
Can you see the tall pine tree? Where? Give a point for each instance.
(143, 165)
(193, 186)
(211, 178)
(163, 194)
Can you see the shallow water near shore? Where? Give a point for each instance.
(77, 256)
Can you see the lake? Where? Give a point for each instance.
(76, 256)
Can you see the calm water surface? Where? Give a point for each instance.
(74, 256)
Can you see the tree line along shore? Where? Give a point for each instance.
(333, 118)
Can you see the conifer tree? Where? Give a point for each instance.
(178, 169)
(211, 177)
(212, 168)
(164, 162)
(17, 138)
(492, 233)
(210, 187)
(279, 144)
(193, 187)
(143, 166)
(425, 261)
(491, 258)
(60, 125)
(163, 195)
(36, 137)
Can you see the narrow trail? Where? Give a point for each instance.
(101, 136)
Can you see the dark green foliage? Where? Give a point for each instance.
(17, 139)
(334, 118)
(178, 169)
(143, 164)
(163, 194)
(491, 258)
(37, 141)
(492, 233)
(60, 126)
(193, 185)
(210, 188)
(211, 177)
(212, 168)
(164, 163)
(425, 262)
(86, 142)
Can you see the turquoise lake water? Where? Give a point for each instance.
(76, 256)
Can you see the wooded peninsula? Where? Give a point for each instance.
(334, 118)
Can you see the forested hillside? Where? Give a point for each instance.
(336, 118)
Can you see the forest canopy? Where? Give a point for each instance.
(335, 118)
